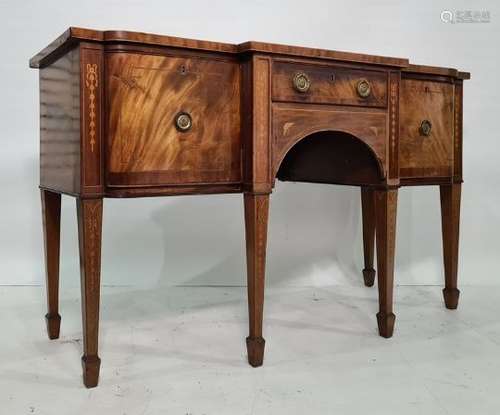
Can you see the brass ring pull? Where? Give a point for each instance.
(301, 82)
(425, 128)
(363, 87)
(183, 121)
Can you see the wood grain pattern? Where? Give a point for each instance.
(434, 70)
(368, 222)
(422, 156)
(329, 84)
(457, 132)
(89, 212)
(51, 219)
(331, 157)
(385, 210)
(256, 122)
(256, 218)
(277, 49)
(178, 190)
(450, 225)
(60, 124)
(144, 95)
(124, 36)
(75, 34)
(292, 123)
(66, 41)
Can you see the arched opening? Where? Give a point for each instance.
(333, 157)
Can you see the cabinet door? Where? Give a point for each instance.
(145, 95)
(426, 128)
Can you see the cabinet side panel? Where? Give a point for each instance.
(60, 124)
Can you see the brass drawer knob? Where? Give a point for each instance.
(183, 121)
(425, 128)
(363, 87)
(301, 82)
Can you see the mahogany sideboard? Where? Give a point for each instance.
(125, 114)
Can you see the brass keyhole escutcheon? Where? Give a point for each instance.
(183, 121)
(363, 87)
(425, 128)
(301, 82)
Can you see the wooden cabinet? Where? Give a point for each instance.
(146, 95)
(127, 114)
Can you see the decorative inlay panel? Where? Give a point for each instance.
(91, 82)
(91, 68)
(89, 213)
(394, 125)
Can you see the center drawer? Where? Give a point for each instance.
(310, 83)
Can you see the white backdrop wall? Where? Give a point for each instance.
(315, 230)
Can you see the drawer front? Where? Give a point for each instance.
(426, 129)
(296, 82)
(149, 143)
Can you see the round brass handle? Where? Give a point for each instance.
(425, 128)
(301, 82)
(183, 121)
(363, 87)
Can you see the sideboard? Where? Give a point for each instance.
(126, 114)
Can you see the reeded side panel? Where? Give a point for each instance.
(145, 94)
(60, 124)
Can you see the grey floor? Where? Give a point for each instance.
(180, 350)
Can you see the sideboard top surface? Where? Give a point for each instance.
(73, 35)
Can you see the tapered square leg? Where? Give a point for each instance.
(385, 209)
(51, 217)
(256, 218)
(450, 224)
(89, 213)
(368, 218)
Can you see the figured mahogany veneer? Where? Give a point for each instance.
(144, 147)
(421, 155)
(126, 114)
(292, 123)
(329, 84)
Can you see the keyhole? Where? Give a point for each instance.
(183, 70)
(332, 77)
